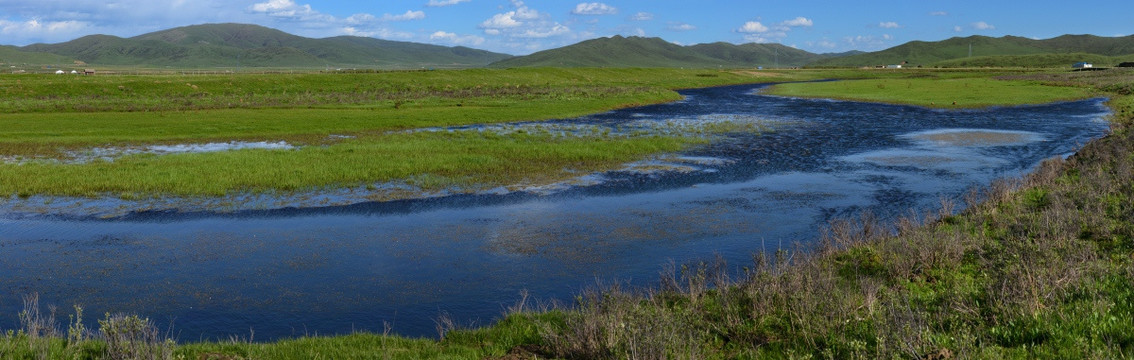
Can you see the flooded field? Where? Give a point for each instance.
(333, 262)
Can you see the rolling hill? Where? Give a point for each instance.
(232, 45)
(618, 51)
(243, 45)
(10, 55)
(1000, 51)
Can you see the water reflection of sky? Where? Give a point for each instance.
(295, 271)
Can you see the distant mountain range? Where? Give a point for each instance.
(242, 45)
(1013, 49)
(233, 45)
(621, 51)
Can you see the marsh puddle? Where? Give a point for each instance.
(286, 270)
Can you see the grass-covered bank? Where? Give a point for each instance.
(934, 92)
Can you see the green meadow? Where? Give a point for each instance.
(973, 92)
(349, 128)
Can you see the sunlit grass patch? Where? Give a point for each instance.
(941, 93)
(430, 160)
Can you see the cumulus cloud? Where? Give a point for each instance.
(981, 25)
(798, 22)
(289, 10)
(523, 23)
(642, 16)
(455, 39)
(888, 25)
(753, 27)
(409, 15)
(440, 3)
(757, 32)
(594, 8)
(957, 29)
(42, 30)
(680, 26)
(357, 19)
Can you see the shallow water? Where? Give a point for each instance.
(289, 271)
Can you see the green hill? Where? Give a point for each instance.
(1031, 61)
(11, 55)
(231, 45)
(621, 51)
(1002, 51)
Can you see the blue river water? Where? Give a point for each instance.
(271, 273)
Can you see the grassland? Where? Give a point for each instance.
(349, 127)
(1041, 267)
(939, 93)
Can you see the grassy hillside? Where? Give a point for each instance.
(951, 50)
(233, 45)
(621, 51)
(1031, 61)
(11, 55)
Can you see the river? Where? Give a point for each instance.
(271, 273)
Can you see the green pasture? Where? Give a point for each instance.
(975, 92)
(429, 160)
(349, 125)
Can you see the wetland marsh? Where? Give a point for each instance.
(772, 175)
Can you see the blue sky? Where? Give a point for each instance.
(522, 27)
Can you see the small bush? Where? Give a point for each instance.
(133, 337)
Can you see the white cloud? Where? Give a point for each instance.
(981, 25)
(289, 10)
(523, 23)
(357, 19)
(679, 26)
(889, 25)
(501, 21)
(452, 38)
(540, 33)
(409, 15)
(594, 8)
(759, 33)
(798, 22)
(440, 3)
(957, 29)
(273, 6)
(43, 30)
(752, 27)
(938, 13)
(642, 16)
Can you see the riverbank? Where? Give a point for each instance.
(1039, 269)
